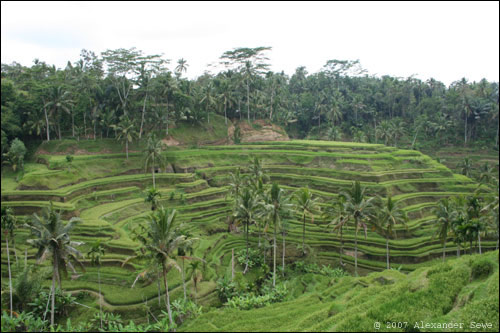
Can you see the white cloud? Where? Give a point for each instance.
(444, 40)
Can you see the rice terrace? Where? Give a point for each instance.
(137, 199)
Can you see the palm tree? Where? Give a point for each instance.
(334, 134)
(445, 215)
(305, 204)
(181, 66)
(53, 240)
(126, 131)
(196, 275)
(152, 196)
(208, 98)
(95, 253)
(466, 167)
(153, 154)
(398, 130)
(359, 208)
(59, 99)
(161, 240)
(185, 252)
(8, 225)
(245, 211)
(390, 215)
(277, 207)
(339, 219)
(384, 131)
(491, 207)
(257, 171)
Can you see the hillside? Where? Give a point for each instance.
(105, 191)
(463, 292)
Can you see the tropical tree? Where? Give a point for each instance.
(95, 253)
(307, 205)
(445, 215)
(245, 212)
(360, 210)
(53, 241)
(384, 131)
(58, 100)
(466, 167)
(208, 98)
(126, 131)
(182, 66)
(152, 195)
(160, 242)
(277, 207)
(390, 214)
(9, 222)
(338, 218)
(153, 155)
(196, 275)
(185, 252)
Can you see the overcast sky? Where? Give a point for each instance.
(446, 41)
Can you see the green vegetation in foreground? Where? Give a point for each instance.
(462, 291)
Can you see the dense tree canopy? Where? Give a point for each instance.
(340, 101)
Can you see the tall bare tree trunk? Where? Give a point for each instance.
(274, 255)
(10, 276)
(232, 264)
(153, 172)
(283, 254)
(387, 250)
(444, 250)
(356, 254)
(167, 296)
(479, 241)
(143, 111)
(248, 100)
(183, 280)
(47, 123)
(100, 295)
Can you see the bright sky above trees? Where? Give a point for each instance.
(444, 40)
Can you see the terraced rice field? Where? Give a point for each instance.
(105, 191)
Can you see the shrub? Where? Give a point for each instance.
(184, 309)
(481, 268)
(254, 257)
(23, 322)
(62, 303)
(226, 289)
(250, 301)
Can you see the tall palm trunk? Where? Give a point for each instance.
(283, 254)
(274, 254)
(54, 275)
(183, 279)
(167, 296)
(444, 249)
(458, 251)
(143, 112)
(100, 296)
(356, 252)
(479, 242)
(246, 260)
(225, 114)
(341, 246)
(248, 100)
(153, 172)
(126, 147)
(387, 250)
(47, 123)
(73, 123)
(10, 276)
(304, 234)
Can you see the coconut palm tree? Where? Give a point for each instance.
(208, 98)
(153, 155)
(256, 170)
(306, 204)
(360, 210)
(126, 131)
(95, 253)
(161, 241)
(185, 252)
(152, 196)
(53, 241)
(277, 206)
(390, 214)
(196, 275)
(59, 100)
(466, 167)
(339, 218)
(245, 212)
(445, 215)
(8, 225)
(384, 131)
(182, 66)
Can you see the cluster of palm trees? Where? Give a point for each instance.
(465, 220)
(264, 206)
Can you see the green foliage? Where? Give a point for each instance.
(226, 289)
(250, 301)
(184, 309)
(63, 302)
(303, 267)
(27, 287)
(255, 258)
(23, 322)
(237, 135)
(15, 155)
(482, 268)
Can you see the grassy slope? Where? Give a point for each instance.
(440, 293)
